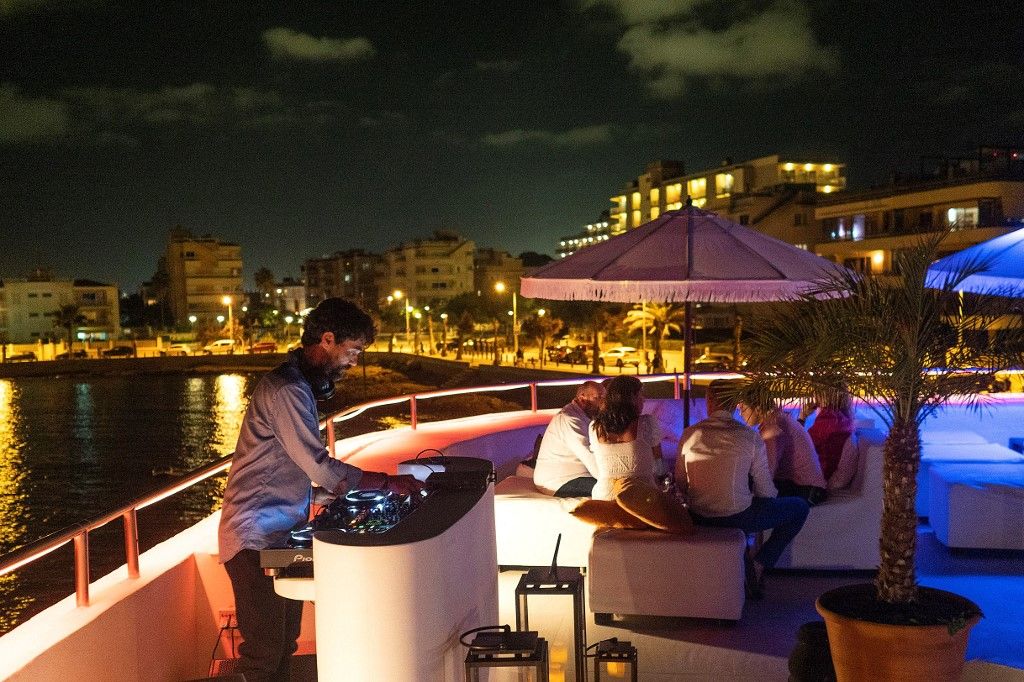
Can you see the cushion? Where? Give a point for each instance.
(525, 470)
(606, 514)
(657, 509)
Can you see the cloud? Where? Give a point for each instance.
(671, 42)
(287, 44)
(574, 137)
(17, 6)
(29, 119)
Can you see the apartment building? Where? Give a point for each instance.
(201, 271)
(491, 266)
(354, 274)
(594, 232)
(28, 308)
(771, 194)
(430, 270)
(975, 198)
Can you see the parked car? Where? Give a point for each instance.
(713, 362)
(621, 356)
(67, 355)
(263, 347)
(219, 346)
(26, 356)
(118, 352)
(178, 349)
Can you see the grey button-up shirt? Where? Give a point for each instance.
(279, 453)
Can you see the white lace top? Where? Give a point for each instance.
(634, 459)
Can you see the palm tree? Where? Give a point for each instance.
(896, 343)
(660, 318)
(541, 328)
(67, 317)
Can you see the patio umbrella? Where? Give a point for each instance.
(1001, 260)
(687, 256)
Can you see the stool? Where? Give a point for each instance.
(561, 581)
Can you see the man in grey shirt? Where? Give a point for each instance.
(279, 453)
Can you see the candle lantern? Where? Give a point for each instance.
(499, 646)
(614, 660)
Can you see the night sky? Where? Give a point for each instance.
(300, 128)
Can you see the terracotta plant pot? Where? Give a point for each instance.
(867, 650)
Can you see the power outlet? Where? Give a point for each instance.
(226, 619)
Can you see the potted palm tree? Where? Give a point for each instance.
(907, 349)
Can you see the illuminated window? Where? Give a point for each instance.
(636, 199)
(655, 196)
(673, 207)
(723, 184)
(655, 212)
(960, 218)
(699, 203)
(857, 231)
(673, 193)
(698, 189)
(636, 217)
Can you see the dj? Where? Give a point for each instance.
(279, 453)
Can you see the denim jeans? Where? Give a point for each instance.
(268, 622)
(577, 487)
(784, 516)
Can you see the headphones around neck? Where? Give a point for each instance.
(319, 381)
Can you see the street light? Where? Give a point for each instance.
(500, 288)
(229, 302)
(288, 319)
(444, 337)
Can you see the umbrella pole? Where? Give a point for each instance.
(687, 361)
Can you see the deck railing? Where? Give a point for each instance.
(79, 533)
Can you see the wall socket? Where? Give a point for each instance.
(226, 619)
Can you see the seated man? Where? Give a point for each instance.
(719, 459)
(565, 465)
(792, 458)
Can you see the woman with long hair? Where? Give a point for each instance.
(625, 442)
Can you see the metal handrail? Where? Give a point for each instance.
(79, 532)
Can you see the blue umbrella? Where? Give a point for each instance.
(996, 267)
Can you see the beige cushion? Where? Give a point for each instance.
(652, 506)
(606, 514)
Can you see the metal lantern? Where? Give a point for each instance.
(614, 659)
(556, 581)
(499, 646)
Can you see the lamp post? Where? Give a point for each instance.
(229, 302)
(500, 288)
(288, 319)
(444, 337)
(416, 340)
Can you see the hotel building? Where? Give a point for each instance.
(201, 271)
(491, 266)
(975, 198)
(28, 308)
(429, 270)
(352, 274)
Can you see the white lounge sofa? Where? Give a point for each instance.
(960, 447)
(527, 523)
(978, 506)
(842, 532)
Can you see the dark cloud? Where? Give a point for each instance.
(585, 136)
(285, 43)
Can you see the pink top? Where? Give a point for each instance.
(791, 454)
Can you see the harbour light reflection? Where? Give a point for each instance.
(12, 499)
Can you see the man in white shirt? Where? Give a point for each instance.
(565, 465)
(723, 467)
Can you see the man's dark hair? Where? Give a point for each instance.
(340, 316)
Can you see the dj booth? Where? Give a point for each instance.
(397, 579)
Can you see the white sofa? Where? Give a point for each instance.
(963, 447)
(842, 532)
(978, 505)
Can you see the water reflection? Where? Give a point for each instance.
(12, 499)
(82, 429)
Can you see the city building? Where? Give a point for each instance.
(29, 306)
(771, 194)
(201, 271)
(430, 270)
(354, 274)
(491, 266)
(289, 296)
(594, 232)
(976, 198)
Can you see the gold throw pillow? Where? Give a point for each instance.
(653, 507)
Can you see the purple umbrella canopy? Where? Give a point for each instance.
(999, 265)
(689, 255)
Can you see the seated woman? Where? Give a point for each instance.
(791, 455)
(625, 442)
(832, 427)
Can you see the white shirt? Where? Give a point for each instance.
(718, 457)
(791, 453)
(634, 459)
(564, 451)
